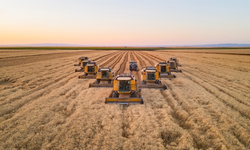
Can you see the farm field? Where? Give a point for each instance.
(43, 105)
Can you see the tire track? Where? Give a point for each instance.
(111, 59)
(154, 58)
(123, 65)
(137, 73)
(112, 65)
(102, 57)
(147, 59)
(142, 63)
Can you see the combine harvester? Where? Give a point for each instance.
(90, 71)
(104, 78)
(163, 69)
(150, 79)
(125, 91)
(133, 66)
(80, 59)
(173, 65)
(176, 60)
(83, 64)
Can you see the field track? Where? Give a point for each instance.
(43, 105)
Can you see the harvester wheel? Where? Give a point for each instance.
(114, 94)
(133, 93)
(98, 81)
(158, 82)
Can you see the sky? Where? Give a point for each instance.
(124, 22)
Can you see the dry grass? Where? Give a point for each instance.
(43, 105)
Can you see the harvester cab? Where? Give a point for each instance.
(80, 59)
(150, 79)
(83, 64)
(163, 69)
(125, 91)
(133, 66)
(90, 71)
(104, 78)
(173, 66)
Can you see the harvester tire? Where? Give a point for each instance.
(165, 87)
(114, 94)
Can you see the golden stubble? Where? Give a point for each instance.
(44, 105)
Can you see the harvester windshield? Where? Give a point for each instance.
(150, 75)
(84, 63)
(105, 74)
(91, 68)
(163, 69)
(124, 85)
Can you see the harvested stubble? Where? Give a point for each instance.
(45, 106)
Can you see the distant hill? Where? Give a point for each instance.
(76, 45)
(42, 45)
(223, 45)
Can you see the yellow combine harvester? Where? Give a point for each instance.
(150, 79)
(163, 69)
(83, 64)
(176, 60)
(80, 59)
(104, 78)
(90, 71)
(173, 67)
(125, 91)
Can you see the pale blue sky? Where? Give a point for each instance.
(125, 22)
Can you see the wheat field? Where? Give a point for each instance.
(43, 105)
